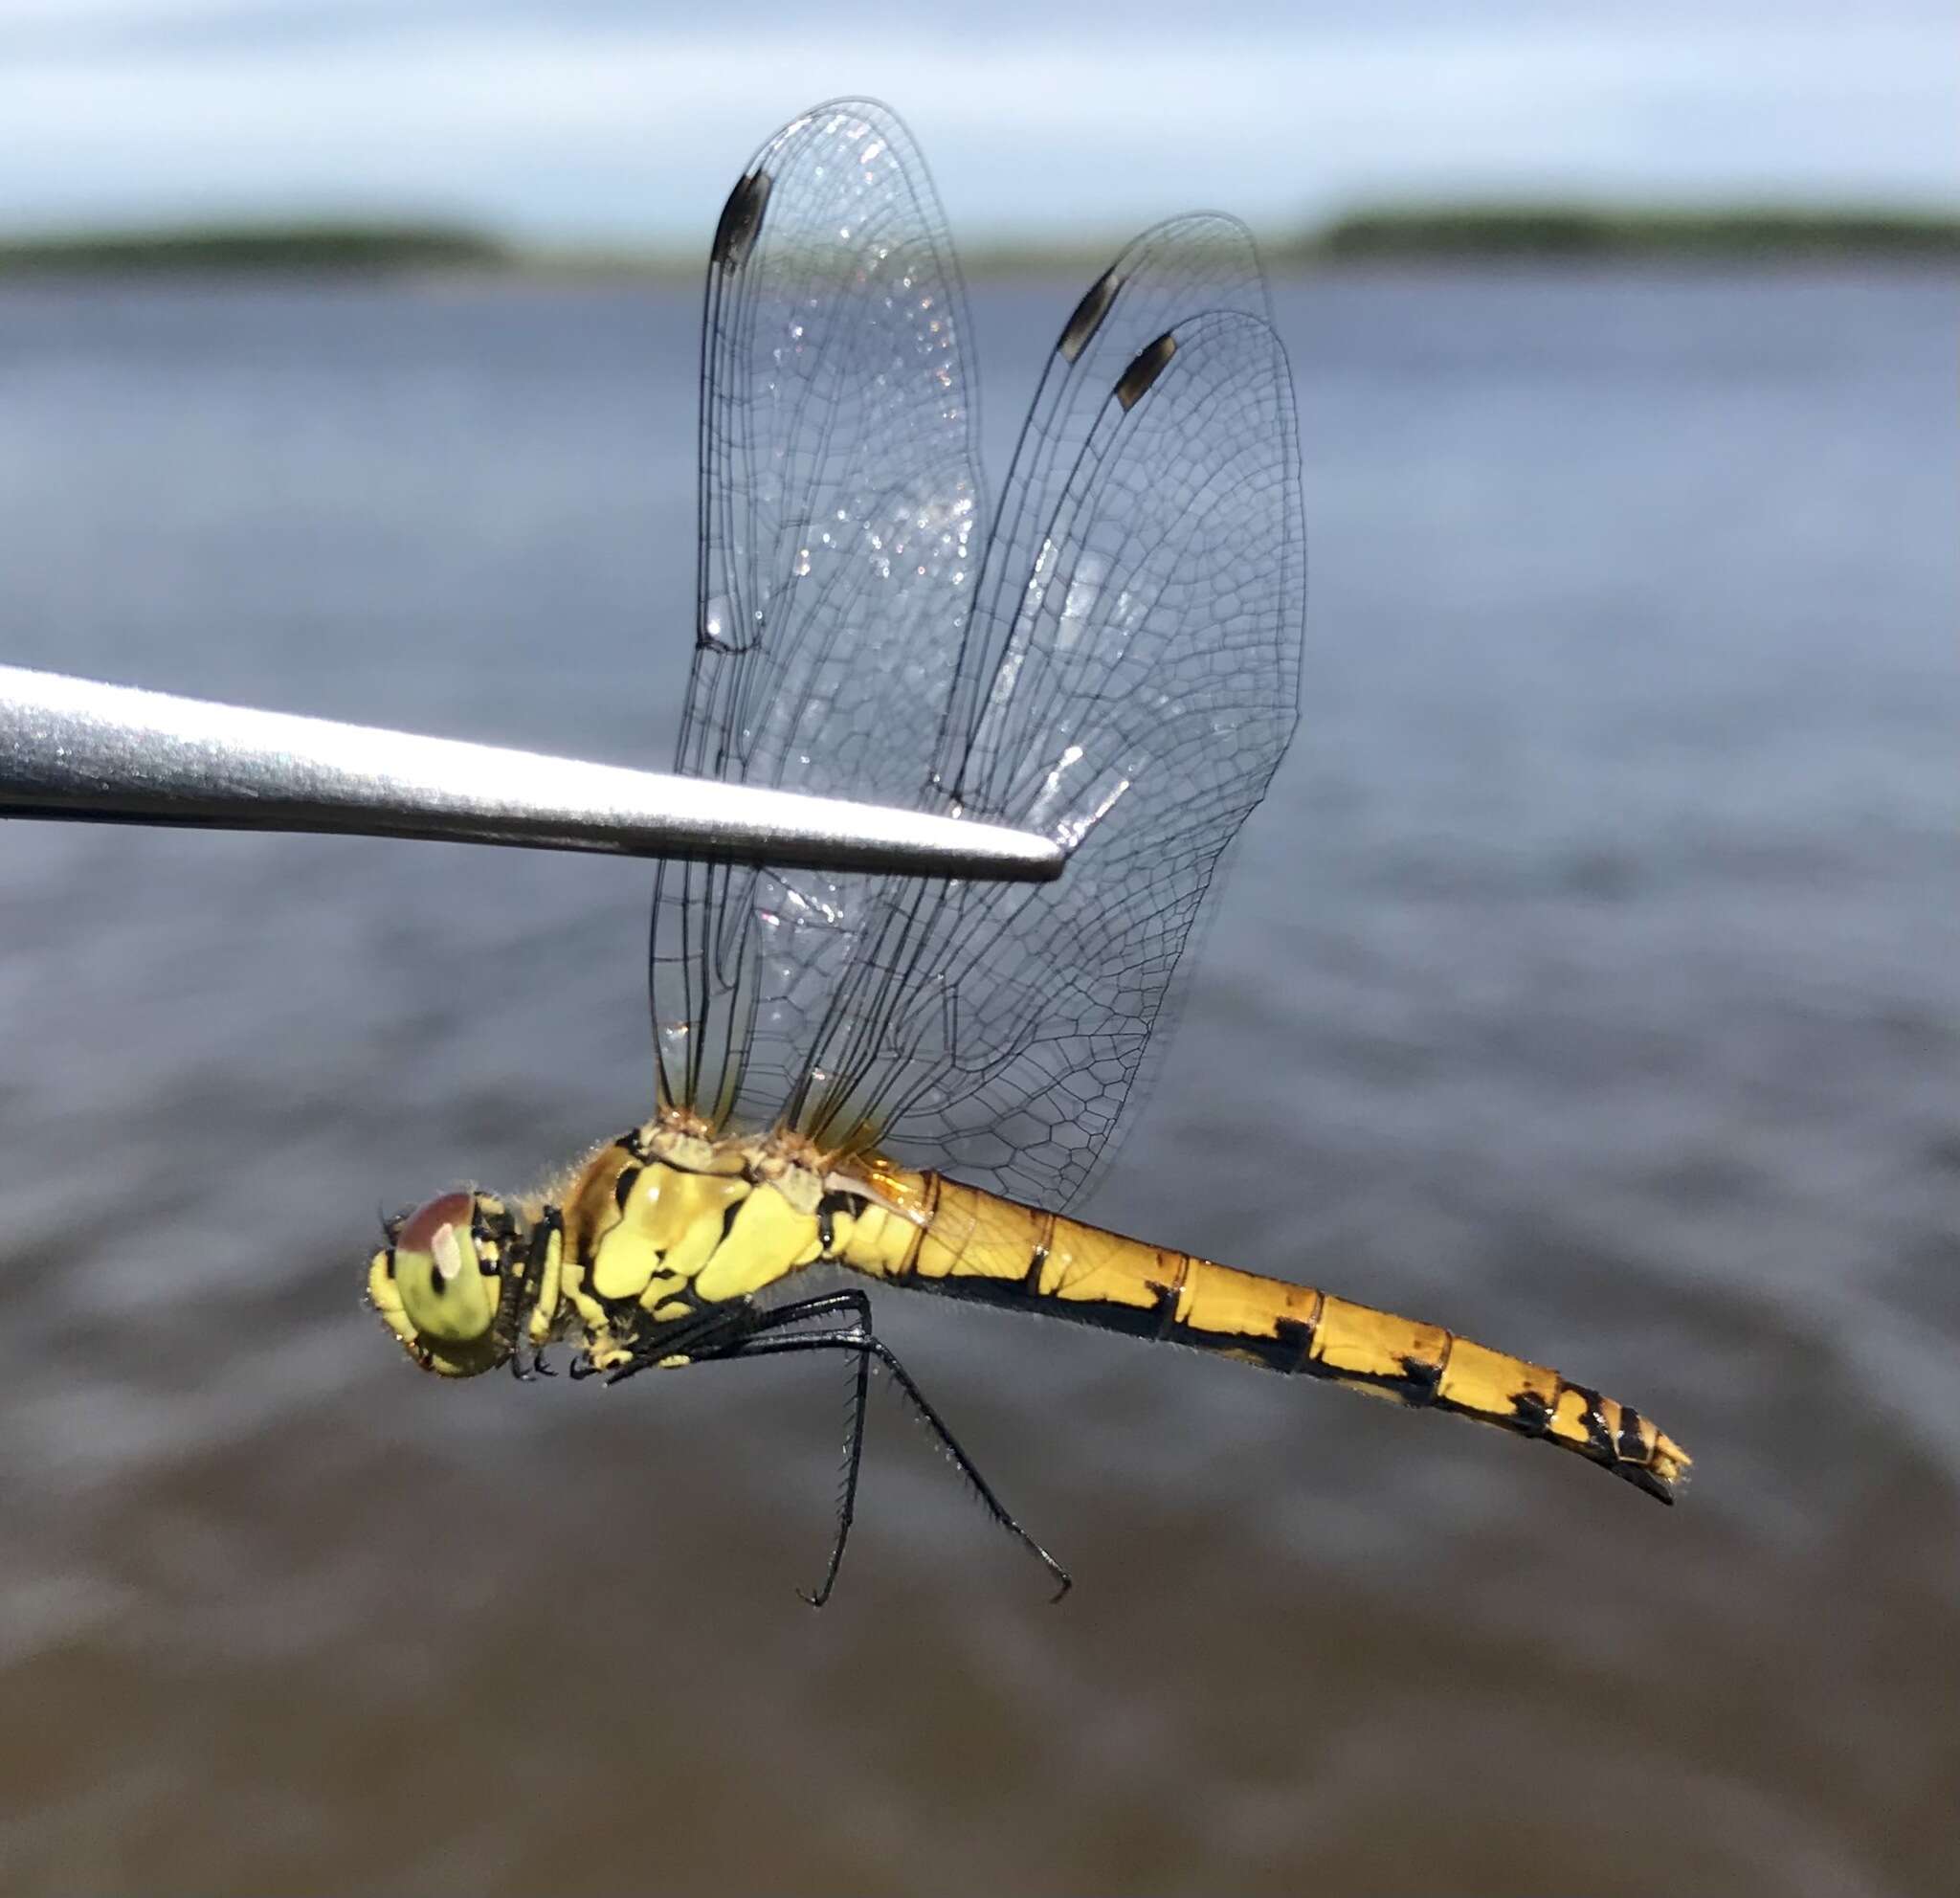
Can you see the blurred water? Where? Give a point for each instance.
(1590, 982)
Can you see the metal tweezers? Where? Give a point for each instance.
(77, 750)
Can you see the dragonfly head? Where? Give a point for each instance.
(448, 1282)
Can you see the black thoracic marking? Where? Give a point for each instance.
(1145, 367)
(1630, 1444)
(1031, 1279)
(827, 1210)
(630, 1143)
(684, 1294)
(729, 1214)
(741, 220)
(1088, 316)
(1531, 1414)
(622, 1187)
(1297, 1335)
(1166, 1307)
(388, 1270)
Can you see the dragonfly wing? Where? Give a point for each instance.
(839, 534)
(1187, 266)
(1119, 669)
(938, 1000)
(1140, 698)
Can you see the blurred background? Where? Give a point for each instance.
(1589, 982)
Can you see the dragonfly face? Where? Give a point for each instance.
(1108, 657)
(448, 1281)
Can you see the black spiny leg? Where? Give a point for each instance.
(519, 1295)
(821, 1307)
(701, 1335)
(865, 1344)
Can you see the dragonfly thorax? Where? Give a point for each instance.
(668, 1221)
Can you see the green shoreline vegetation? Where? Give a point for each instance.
(1440, 233)
(348, 246)
(1605, 230)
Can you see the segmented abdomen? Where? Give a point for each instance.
(966, 1244)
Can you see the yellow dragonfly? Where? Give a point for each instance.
(1110, 659)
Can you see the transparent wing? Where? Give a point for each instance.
(1142, 697)
(839, 529)
(1184, 267)
(1119, 670)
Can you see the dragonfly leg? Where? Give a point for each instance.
(853, 1444)
(847, 1492)
(865, 1345)
(524, 1372)
(802, 1311)
(718, 1331)
(520, 1294)
(701, 1335)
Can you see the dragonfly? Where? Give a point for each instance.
(906, 1078)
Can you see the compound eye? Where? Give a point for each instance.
(449, 1295)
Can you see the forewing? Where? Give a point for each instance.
(839, 503)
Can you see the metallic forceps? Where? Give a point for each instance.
(73, 749)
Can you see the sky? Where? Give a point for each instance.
(611, 123)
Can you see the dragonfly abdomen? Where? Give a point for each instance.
(963, 1243)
